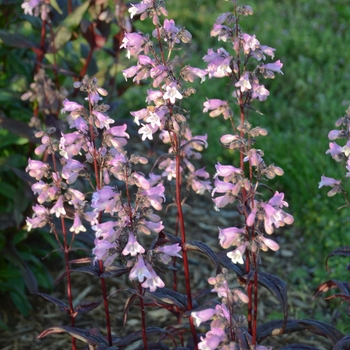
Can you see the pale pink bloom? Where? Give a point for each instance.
(244, 83)
(146, 131)
(134, 44)
(140, 271)
(71, 170)
(260, 92)
(226, 171)
(140, 181)
(105, 229)
(77, 225)
(230, 236)
(172, 250)
(335, 134)
(328, 181)
(40, 217)
(202, 316)
(250, 43)
(242, 296)
(236, 255)
(105, 251)
(139, 8)
(172, 93)
(155, 196)
(154, 281)
(29, 5)
(70, 106)
(269, 243)
(102, 120)
(275, 67)
(37, 169)
(133, 247)
(149, 226)
(58, 208)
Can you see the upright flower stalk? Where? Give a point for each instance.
(241, 184)
(164, 112)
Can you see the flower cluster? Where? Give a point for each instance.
(120, 221)
(240, 184)
(163, 113)
(338, 153)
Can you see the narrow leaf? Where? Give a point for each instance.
(317, 327)
(328, 285)
(16, 40)
(204, 249)
(343, 344)
(87, 305)
(278, 288)
(227, 262)
(299, 347)
(55, 5)
(131, 338)
(343, 251)
(61, 305)
(91, 337)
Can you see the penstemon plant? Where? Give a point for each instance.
(92, 182)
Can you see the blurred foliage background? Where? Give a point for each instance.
(312, 40)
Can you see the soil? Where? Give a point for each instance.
(202, 225)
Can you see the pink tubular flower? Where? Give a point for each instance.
(171, 250)
(230, 236)
(172, 93)
(105, 251)
(275, 67)
(71, 170)
(58, 208)
(328, 181)
(106, 200)
(134, 43)
(40, 217)
(133, 247)
(237, 255)
(155, 196)
(37, 169)
(70, 106)
(244, 83)
(269, 243)
(202, 316)
(154, 281)
(217, 107)
(102, 120)
(140, 271)
(77, 225)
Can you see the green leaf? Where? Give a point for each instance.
(54, 4)
(64, 32)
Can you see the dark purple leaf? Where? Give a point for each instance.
(131, 338)
(61, 305)
(277, 287)
(204, 249)
(90, 270)
(299, 347)
(92, 337)
(168, 297)
(129, 302)
(19, 128)
(227, 262)
(343, 251)
(16, 40)
(153, 346)
(87, 305)
(344, 287)
(114, 271)
(343, 344)
(317, 327)
(244, 339)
